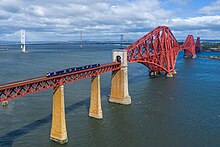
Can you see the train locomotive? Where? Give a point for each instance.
(69, 70)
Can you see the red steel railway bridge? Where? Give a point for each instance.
(157, 50)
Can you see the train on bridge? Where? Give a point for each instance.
(69, 70)
(157, 50)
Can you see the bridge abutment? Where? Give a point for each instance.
(152, 73)
(169, 75)
(119, 87)
(4, 103)
(95, 109)
(174, 72)
(58, 129)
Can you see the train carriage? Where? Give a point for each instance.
(69, 70)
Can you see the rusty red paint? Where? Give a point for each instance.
(158, 50)
(21, 88)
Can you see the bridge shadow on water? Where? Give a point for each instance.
(8, 139)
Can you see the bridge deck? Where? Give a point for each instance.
(20, 88)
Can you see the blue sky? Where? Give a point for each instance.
(62, 20)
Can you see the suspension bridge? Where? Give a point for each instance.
(157, 50)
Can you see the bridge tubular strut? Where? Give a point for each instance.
(58, 129)
(119, 88)
(158, 50)
(95, 109)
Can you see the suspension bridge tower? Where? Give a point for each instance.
(81, 43)
(23, 41)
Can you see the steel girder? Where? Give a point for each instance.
(22, 88)
(158, 50)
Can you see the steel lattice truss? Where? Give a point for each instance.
(21, 88)
(198, 45)
(188, 46)
(158, 50)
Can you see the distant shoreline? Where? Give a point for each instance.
(206, 46)
(210, 57)
(210, 46)
(211, 50)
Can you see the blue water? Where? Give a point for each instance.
(179, 111)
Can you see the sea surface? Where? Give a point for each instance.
(165, 112)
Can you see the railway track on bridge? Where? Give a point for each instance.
(16, 89)
(157, 50)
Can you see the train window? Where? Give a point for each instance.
(79, 68)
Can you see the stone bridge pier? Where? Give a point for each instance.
(58, 129)
(119, 94)
(119, 87)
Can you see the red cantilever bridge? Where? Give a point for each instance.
(157, 50)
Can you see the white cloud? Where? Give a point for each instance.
(179, 2)
(203, 21)
(99, 19)
(35, 10)
(205, 26)
(212, 9)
